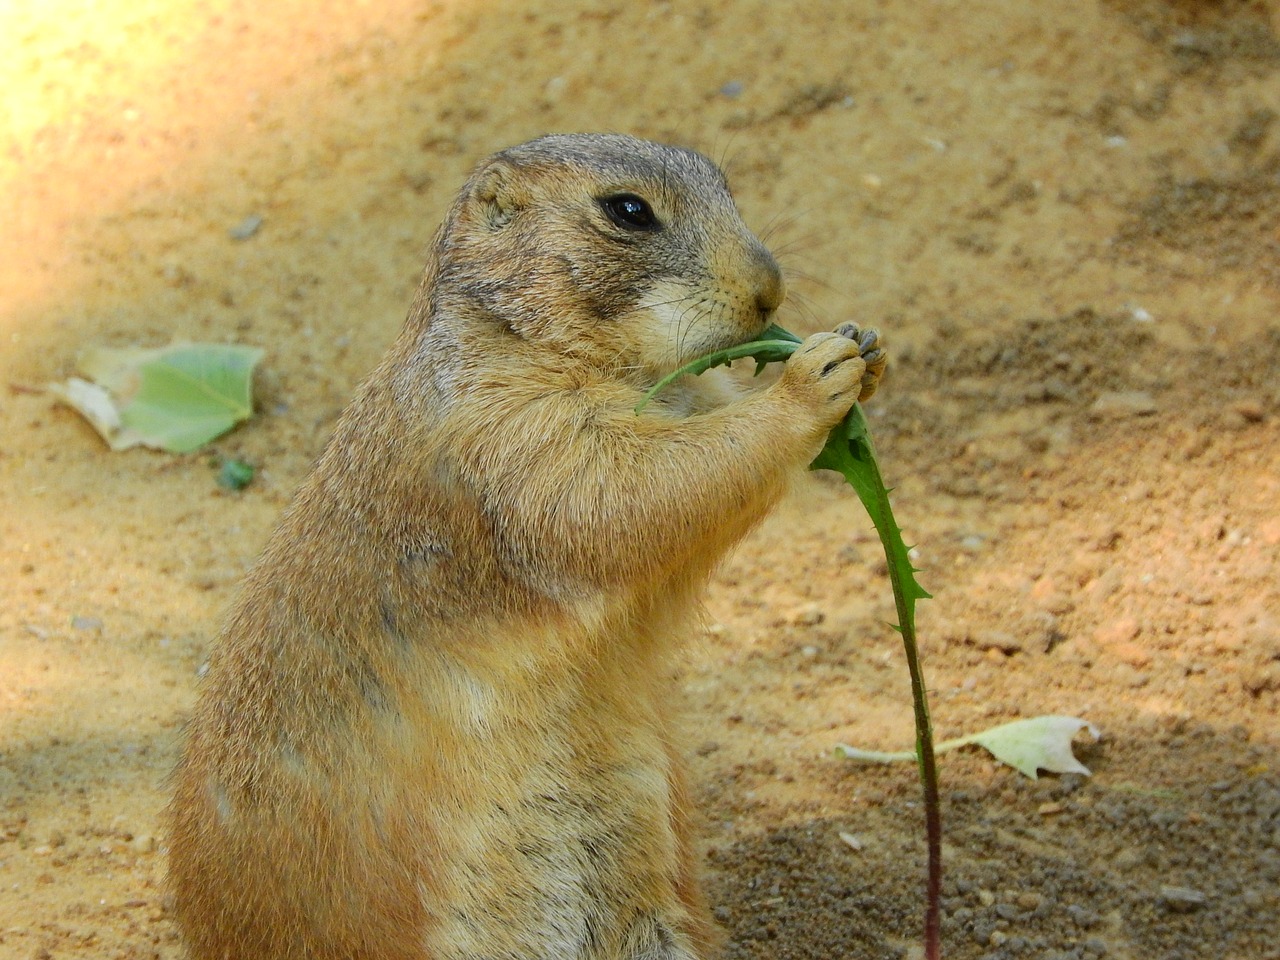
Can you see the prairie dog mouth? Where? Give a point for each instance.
(679, 323)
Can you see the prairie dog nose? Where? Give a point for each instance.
(771, 290)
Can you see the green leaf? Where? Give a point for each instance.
(175, 398)
(191, 395)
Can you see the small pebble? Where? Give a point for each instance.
(851, 840)
(1120, 404)
(246, 228)
(1251, 410)
(1181, 899)
(997, 640)
(809, 615)
(1118, 631)
(1030, 900)
(86, 623)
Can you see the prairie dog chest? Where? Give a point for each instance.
(565, 831)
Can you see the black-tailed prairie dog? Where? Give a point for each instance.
(436, 725)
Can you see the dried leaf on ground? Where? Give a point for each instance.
(1040, 743)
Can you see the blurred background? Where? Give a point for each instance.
(1065, 218)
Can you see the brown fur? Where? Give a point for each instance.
(436, 725)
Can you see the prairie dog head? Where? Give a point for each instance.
(621, 251)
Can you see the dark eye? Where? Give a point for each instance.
(630, 212)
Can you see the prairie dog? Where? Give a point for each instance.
(436, 724)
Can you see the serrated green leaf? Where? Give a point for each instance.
(849, 452)
(764, 352)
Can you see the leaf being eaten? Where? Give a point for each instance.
(1040, 743)
(175, 398)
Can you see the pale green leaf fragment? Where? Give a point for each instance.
(175, 398)
(1041, 743)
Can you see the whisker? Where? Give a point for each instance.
(789, 273)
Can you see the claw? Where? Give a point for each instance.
(869, 385)
(869, 339)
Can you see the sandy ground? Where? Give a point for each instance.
(1064, 216)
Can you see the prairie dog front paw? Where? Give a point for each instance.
(825, 377)
(872, 353)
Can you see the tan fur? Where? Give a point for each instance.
(437, 723)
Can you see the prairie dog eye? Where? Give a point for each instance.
(630, 212)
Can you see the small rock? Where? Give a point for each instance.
(143, 843)
(810, 615)
(1127, 675)
(1030, 900)
(849, 554)
(246, 228)
(732, 90)
(1120, 404)
(86, 623)
(1117, 632)
(1128, 859)
(851, 840)
(997, 640)
(1050, 808)
(1134, 654)
(1261, 678)
(1058, 604)
(418, 180)
(1181, 899)
(1251, 411)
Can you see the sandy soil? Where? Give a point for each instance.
(1064, 216)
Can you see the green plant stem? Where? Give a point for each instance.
(849, 452)
(875, 498)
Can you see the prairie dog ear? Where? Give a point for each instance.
(498, 193)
